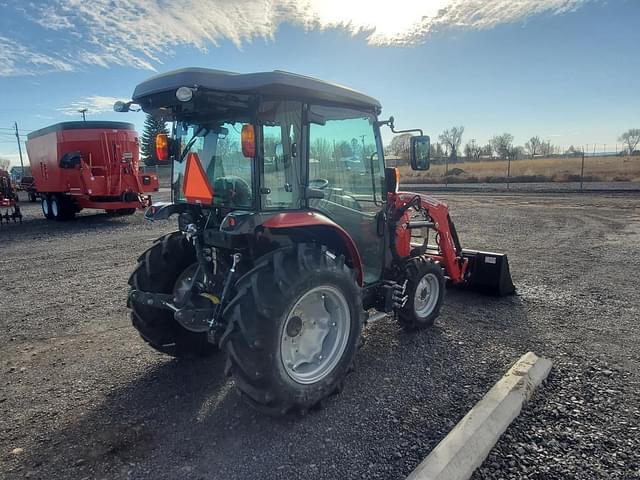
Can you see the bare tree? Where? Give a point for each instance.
(576, 151)
(321, 150)
(452, 138)
(546, 149)
(631, 138)
(502, 145)
(534, 146)
(400, 145)
(472, 150)
(516, 152)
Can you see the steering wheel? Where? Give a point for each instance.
(319, 183)
(235, 189)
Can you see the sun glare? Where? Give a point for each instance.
(389, 23)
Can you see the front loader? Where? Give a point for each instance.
(291, 232)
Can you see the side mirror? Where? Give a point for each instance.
(120, 106)
(420, 152)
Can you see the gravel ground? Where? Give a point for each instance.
(83, 397)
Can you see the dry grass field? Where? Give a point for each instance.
(604, 169)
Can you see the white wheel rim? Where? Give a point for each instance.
(54, 207)
(45, 206)
(426, 297)
(315, 334)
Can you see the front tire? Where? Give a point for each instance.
(302, 294)
(425, 289)
(158, 270)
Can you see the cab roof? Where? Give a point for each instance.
(277, 84)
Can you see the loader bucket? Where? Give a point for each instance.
(489, 273)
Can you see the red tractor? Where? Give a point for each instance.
(284, 248)
(78, 165)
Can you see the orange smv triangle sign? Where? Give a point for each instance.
(196, 186)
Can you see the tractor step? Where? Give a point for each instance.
(394, 295)
(489, 273)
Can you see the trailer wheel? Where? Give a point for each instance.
(293, 329)
(46, 207)
(158, 270)
(425, 289)
(62, 207)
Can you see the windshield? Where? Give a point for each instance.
(219, 150)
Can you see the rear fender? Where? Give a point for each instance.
(322, 228)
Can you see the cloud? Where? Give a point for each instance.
(140, 33)
(16, 59)
(94, 104)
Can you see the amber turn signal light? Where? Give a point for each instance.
(162, 147)
(248, 141)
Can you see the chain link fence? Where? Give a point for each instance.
(579, 167)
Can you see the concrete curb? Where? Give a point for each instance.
(468, 444)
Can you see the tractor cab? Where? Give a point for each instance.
(274, 142)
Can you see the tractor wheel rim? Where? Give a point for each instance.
(426, 297)
(45, 206)
(54, 207)
(315, 334)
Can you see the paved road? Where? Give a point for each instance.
(83, 397)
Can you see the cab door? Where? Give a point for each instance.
(345, 161)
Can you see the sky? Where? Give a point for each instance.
(565, 70)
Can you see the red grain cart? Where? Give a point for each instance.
(79, 165)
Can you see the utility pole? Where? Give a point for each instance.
(19, 149)
(83, 111)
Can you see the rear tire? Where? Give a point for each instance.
(158, 270)
(425, 289)
(269, 313)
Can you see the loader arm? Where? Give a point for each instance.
(449, 253)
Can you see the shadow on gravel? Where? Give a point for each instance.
(133, 420)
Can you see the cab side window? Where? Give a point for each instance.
(281, 178)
